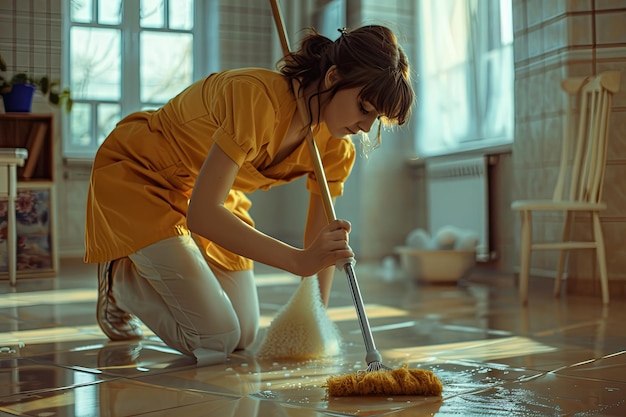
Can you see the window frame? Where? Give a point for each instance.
(205, 55)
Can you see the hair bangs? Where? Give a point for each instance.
(392, 97)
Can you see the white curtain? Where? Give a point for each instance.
(465, 75)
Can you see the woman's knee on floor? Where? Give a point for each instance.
(224, 342)
(242, 336)
(214, 349)
(221, 342)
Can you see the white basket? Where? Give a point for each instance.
(436, 266)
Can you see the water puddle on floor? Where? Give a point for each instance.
(470, 388)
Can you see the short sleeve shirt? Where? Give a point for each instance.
(144, 172)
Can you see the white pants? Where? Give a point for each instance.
(193, 307)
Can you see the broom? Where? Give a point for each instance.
(378, 379)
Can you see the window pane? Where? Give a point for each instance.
(81, 11)
(506, 22)
(498, 78)
(95, 63)
(152, 13)
(80, 125)
(444, 34)
(110, 12)
(466, 74)
(181, 14)
(108, 116)
(166, 65)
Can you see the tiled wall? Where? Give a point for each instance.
(246, 32)
(555, 40)
(30, 36)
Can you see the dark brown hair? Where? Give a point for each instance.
(369, 56)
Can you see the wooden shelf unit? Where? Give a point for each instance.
(35, 203)
(34, 132)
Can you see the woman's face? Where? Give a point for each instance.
(346, 114)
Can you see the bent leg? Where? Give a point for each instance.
(242, 292)
(172, 290)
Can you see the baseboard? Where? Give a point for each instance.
(71, 253)
(541, 273)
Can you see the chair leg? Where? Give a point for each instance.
(562, 254)
(525, 255)
(601, 256)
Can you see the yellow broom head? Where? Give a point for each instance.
(402, 381)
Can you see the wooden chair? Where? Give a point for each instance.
(583, 161)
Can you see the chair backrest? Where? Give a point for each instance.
(583, 156)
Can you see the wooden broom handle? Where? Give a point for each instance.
(373, 357)
(310, 139)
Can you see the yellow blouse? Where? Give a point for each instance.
(145, 170)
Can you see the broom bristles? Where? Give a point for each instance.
(402, 381)
(377, 366)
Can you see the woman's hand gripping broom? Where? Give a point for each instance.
(378, 379)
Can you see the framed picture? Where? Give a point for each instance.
(34, 225)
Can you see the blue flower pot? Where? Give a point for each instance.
(19, 99)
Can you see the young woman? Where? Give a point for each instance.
(167, 212)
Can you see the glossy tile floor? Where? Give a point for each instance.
(557, 357)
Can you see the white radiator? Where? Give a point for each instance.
(458, 195)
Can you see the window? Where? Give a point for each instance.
(465, 75)
(124, 56)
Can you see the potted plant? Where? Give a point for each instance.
(17, 91)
